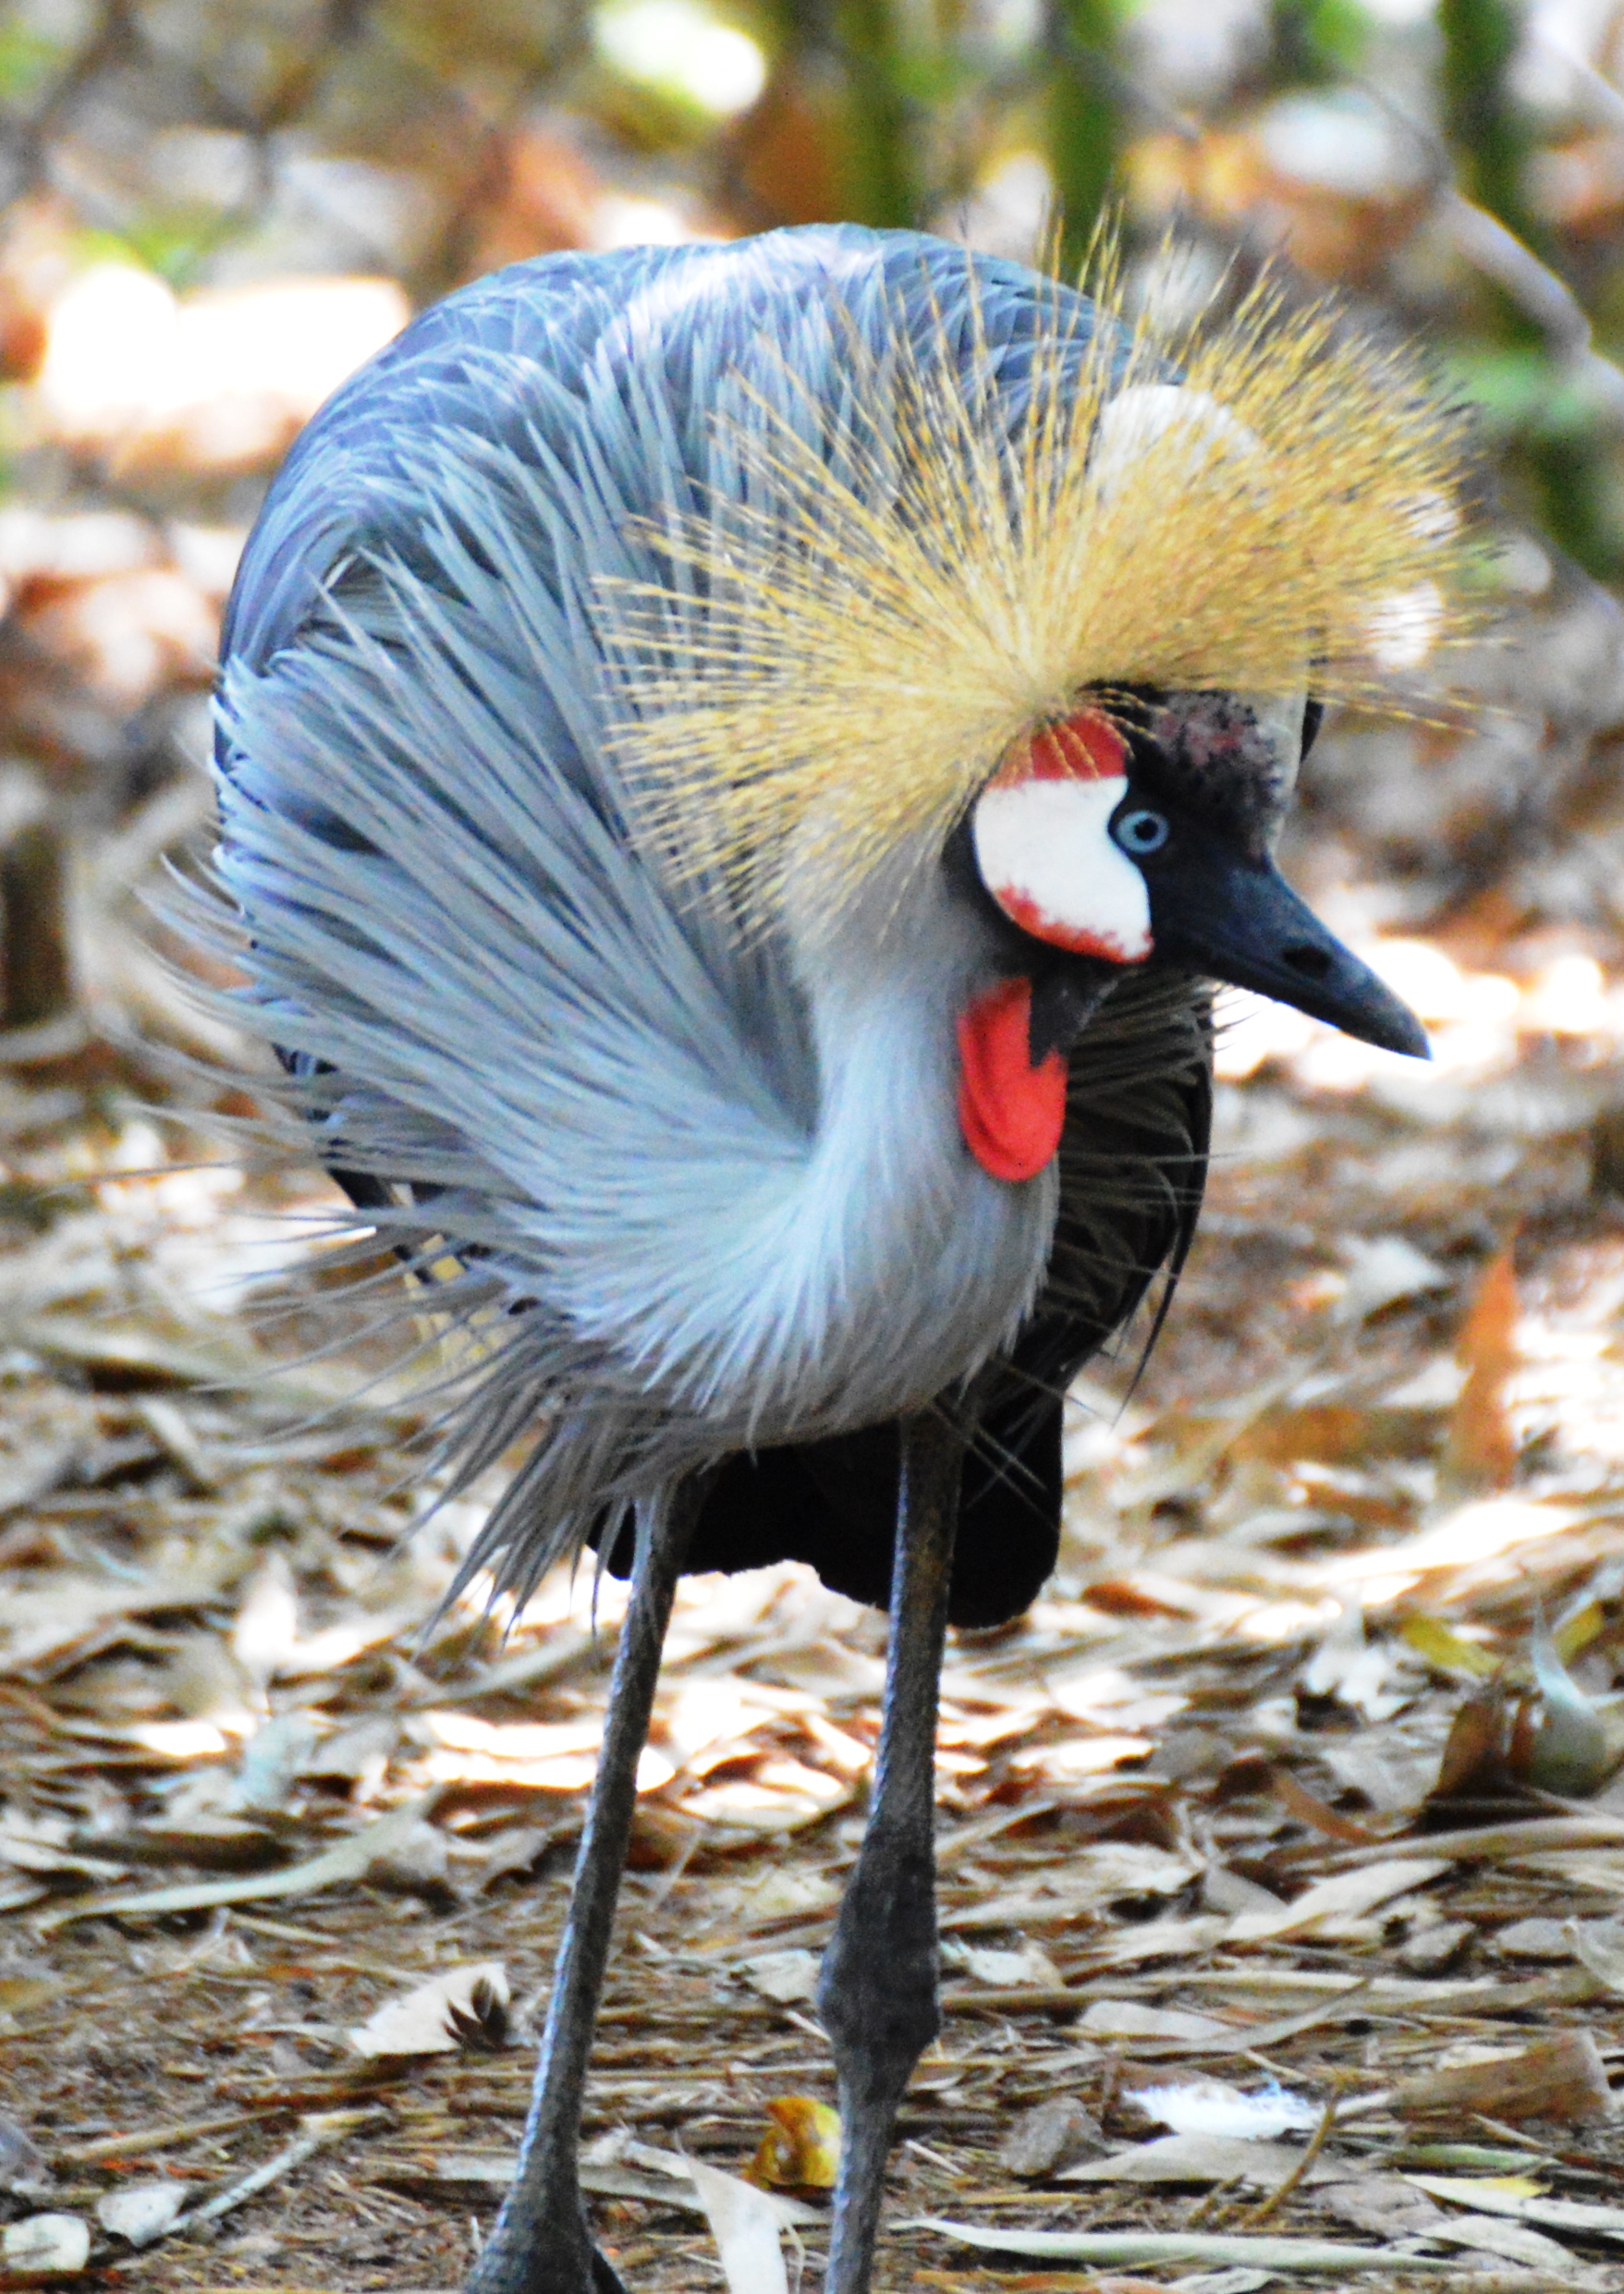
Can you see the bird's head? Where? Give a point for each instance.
(1051, 624)
(1148, 834)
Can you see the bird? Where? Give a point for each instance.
(739, 767)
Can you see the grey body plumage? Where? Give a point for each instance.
(721, 1173)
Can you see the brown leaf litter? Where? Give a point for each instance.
(1282, 1845)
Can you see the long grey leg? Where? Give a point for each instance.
(539, 2244)
(877, 1989)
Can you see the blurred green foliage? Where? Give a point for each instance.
(1486, 134)
(881, 171)
(1086, 120)
(28, 58)
(1317, 42)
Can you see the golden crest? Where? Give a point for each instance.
(918, 580)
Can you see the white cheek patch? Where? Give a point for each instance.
(1046, 856)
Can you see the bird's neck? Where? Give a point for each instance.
(916, 1262)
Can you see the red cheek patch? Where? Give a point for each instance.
(1011, 1113)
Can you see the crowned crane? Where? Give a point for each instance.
(738, 766)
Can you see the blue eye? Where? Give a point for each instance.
(1141, 831)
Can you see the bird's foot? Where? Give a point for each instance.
(547, 2260)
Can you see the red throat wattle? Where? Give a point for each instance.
(1011, 1112)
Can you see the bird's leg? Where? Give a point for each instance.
(877, 1989)
(539, 2244)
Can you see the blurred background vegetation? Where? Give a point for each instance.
(211, 210)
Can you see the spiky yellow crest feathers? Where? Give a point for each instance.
(925, 584)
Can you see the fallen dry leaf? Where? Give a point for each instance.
(1199, 2158)
(800, 2150)
(1031, 1964)
(1050, 2135)
(46, 2245)
(1344, 1896)
(1195, 2246)
(1130, 2018)
(1562, 2078)
(1042, 2282)
(142, 2212)
(436, 2018)
(1510, 2195)
(398, 1847)
(746, 2230)
(1481, 1450)
(787, 1976)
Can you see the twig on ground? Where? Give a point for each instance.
(1282, 2191)
(165, 2138)
(315, 2133)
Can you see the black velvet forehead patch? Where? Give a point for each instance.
(1212, 756)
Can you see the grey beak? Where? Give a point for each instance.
(1241, 922)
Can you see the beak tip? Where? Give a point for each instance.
(1368, 1009)
(1391, 1027)
(1408, 1043)
(1408, 1037)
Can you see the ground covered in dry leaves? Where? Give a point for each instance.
(1282, 1850)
